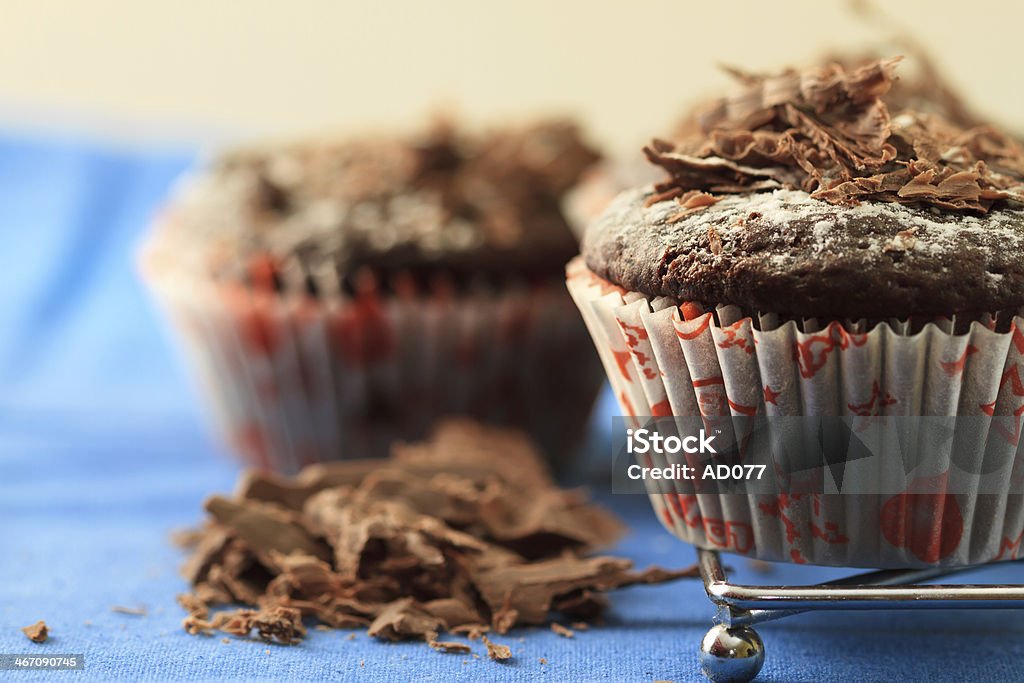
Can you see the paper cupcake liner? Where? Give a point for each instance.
(667, 359)
(294, 379)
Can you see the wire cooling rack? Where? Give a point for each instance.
(733, 651)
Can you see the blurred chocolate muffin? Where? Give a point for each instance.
(339, 294)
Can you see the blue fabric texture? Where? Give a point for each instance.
(103, 453)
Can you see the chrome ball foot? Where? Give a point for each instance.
(731, 654)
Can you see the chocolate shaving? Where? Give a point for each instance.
(403, 619)
(714, 241)
(133, 611)
(186, 539)
(830, 131)
(275, 624)
(37, 632)
(264, 526)
(903, 241)
(449, 647)
(529, 592)
(561, 630)
(464, 533)
(497, 651)
(194, 605)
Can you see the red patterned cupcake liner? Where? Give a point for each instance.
(667, 359)
(294, 379)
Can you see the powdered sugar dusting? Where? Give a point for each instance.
(935, 232)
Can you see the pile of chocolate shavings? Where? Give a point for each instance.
(829, 131)
(464, 533)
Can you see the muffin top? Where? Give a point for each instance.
(803, 195)
(445, 199)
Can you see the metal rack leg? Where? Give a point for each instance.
(729, 653)
(733, 651)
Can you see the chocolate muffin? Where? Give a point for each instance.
(785, 251)
(921, 88)
(813, 253)
(337, 295)
(804, 196)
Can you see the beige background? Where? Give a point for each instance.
(224, 68)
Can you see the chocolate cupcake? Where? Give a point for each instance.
(815, 253)
(338, 295)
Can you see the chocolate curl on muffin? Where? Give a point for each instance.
(446, 198)
(829, 131)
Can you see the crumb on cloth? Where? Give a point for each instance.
(37, 632)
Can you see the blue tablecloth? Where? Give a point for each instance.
(103, 453)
